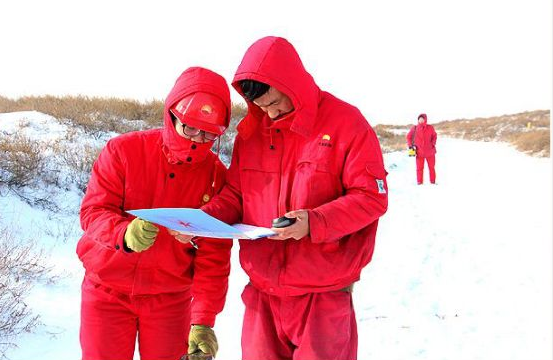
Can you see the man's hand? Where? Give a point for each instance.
(297, 230)
(140, 235)
(202, 338)
(183, 238)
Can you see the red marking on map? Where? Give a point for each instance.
(185, 224)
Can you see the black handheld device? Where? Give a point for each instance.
(283, 221)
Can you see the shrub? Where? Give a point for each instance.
(21, 267)
(21, 161)
(78, 160)
(536, 142)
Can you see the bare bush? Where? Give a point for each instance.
(21, 267)
(78, 159)
(21, 160)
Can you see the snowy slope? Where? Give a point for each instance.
(461, 270)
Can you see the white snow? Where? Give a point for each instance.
(461, 270)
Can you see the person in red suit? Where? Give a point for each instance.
(141, 280)
(422, 138)
(305, 154)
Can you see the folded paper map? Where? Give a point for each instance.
(198, 223)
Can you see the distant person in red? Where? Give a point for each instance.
(422, 137)
(142, 281)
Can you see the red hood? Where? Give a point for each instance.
(274, 61)
(192, 80)
(424, 117)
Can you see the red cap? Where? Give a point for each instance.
(202, 110)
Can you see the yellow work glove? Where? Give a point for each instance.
(202, 338)
(140, 235)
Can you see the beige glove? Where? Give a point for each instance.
(202, 338)
(140, 235)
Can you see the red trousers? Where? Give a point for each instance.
(110, 322)
(431, 161)
(319, 326)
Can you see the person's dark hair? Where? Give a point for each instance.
(253, 89)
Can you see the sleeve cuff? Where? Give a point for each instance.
(203, 319)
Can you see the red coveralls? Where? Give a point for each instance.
(425, 141)
(151, 292)
(324, 157)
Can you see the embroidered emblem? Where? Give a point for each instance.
(206, 109)
(206, 198)
(380, 184)
(325, 141)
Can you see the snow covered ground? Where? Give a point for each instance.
(462, 270)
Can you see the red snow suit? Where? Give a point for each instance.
(324, 157)
(152, 169)
(425, 138)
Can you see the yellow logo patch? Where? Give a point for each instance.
(206, 109)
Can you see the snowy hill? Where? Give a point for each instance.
(461, 270)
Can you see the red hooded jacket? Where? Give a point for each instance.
(149, 169)
(324, 157)
(424, 138)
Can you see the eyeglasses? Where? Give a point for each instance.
(191, 131)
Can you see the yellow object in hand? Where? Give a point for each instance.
(140, 235)
(202, 338)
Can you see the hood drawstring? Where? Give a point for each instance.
(271, 146)
(215, 167)
(170, 158)
(211, 190)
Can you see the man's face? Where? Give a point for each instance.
(421, 120)
(274, 103)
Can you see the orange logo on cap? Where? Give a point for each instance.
(326, 137)
(206, 109)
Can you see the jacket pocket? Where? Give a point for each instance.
(314, 184)
(260, 180)
(378, 175)
(106, 261)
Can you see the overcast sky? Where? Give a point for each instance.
(392, 59)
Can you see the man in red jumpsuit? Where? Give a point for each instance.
(303, 153)
(423, 138)
(140, 280)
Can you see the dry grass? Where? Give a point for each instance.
(95, 115)
(389, 140)
(21, 161)
(529, 131)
